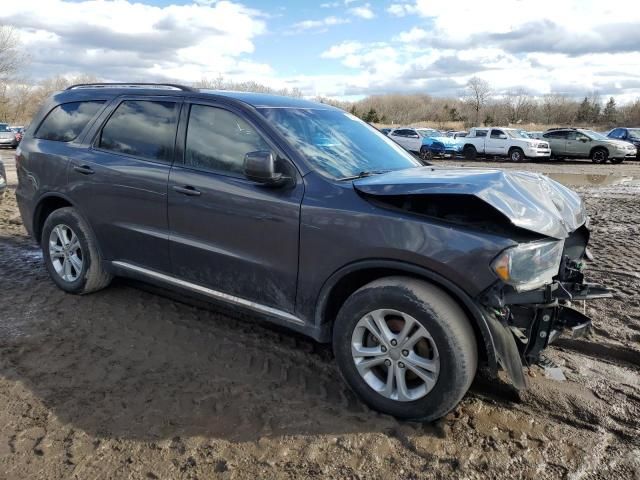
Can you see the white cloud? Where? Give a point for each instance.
(342, 50)
(133, 41)
(402, 9)
(363, 11)
(320, 25)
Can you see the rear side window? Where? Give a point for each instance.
(481, 133)
(65, 122)
(496, 133)
(141, 128)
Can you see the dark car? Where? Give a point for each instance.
(306, 216)
(385, 130)
(631, 135)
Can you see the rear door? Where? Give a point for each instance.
(121, 181)
(230, 234)
(400, 136)
(557, 141)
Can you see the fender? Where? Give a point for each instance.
(38, 207)
(499, 343)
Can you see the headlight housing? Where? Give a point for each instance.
(529, 265)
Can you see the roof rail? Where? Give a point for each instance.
(168, 86)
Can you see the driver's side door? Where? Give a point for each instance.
(227, 233)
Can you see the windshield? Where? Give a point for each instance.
(517, 133)
(337, 143)
(634, 132)
(5, 128)
(594, 135)
(427, 132)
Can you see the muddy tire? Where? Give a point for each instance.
(71, 254)
(516, 155)
(406, 348)
(599, 155)
(470, 152)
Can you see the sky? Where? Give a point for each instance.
(345, 49)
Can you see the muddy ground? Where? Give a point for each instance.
(125, 383)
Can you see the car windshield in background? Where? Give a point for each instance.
(595, 135)
(634, 132)
(426, 132)
(5, 128)
(516, 134)
(337, 143)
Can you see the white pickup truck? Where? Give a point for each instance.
(503, 142)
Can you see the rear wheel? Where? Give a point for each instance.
(470, 152)
(406, 348)
(599, 155)
(71, 254)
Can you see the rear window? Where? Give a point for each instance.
(65, 122)
(141, 128)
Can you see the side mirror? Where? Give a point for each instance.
(585, 140)
(414, 135)
(502, 136)
(260, 167)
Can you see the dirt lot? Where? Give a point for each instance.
(128, 384)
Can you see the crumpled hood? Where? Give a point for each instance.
(529, 200)
(446, 141)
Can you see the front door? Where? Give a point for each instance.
(496, 142)
(121, 181)
(578, 144)
(230, 234)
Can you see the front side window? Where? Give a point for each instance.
(218, 140)
(141, 128)
(65, 122)
(338, 144)
(496, 133)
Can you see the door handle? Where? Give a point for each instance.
(187, 190)
(84, 169)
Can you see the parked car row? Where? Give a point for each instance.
(519, 145)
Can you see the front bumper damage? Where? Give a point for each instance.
(523, 324)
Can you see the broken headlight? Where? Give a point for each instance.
(529, 265)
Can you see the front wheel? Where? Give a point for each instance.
(516, 155)
(599, 155)
(71, 253)
(426, 155)
(406, 348)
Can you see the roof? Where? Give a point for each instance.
(257, 100)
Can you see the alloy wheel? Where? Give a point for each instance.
(395, 355)
(65, 253)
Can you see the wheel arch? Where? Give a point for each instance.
(599, 147)
(345, 281)
(47, 204)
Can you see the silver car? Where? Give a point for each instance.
(7, 136)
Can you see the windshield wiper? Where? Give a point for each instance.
(364, 174)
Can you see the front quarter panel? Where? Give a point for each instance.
(339, 227)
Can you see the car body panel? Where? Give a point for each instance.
(529, 200)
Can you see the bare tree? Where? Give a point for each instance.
(10, 53)
(520, 105)
(478, 92)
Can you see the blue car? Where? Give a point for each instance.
(631, 135)
(439, 147)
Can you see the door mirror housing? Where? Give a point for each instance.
(584, 139)
(502, 136)
(260, 167)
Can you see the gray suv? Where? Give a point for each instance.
(306, 216)
(581, 143)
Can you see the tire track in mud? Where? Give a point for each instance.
(126, 383)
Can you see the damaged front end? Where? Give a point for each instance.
(525, 321)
